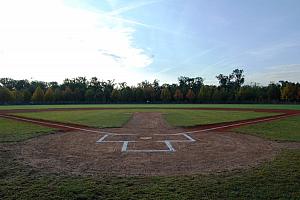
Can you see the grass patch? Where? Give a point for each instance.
(13, 131)
(116, 118)
(93, 118)
(192, 118)
(157, 106)
(278, 179)
(284, 129)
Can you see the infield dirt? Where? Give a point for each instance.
(78, 153)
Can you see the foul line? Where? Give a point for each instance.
(237, 124)
(52, 124)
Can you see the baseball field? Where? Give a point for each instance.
(150, 151)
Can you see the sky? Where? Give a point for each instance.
(137, 40)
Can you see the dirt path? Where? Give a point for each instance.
(77, 152)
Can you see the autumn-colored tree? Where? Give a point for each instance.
(289, 92)
(49, 95)
(178, 96)
(57, 95)
(38, 95)
(18, 96)
(298, 94)
(6, 96)
(165, 95)
(190, 95)
(67, 94)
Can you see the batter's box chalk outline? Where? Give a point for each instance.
(125, 148)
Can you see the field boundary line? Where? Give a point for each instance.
(53, 124)
(237, 124)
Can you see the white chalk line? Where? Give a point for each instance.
(236, 124)
(168, 144)
(53, 124)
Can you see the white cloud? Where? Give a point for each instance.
(47, 40)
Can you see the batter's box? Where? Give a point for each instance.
(142, 137)
(146, 143)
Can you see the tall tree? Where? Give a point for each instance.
(178, 96)
(115, 95)
(165, 95)
(190, 95)
(38, 95)
(205, 93)
(6, 95)
(49, 95)
(57, 95)
(89, 95)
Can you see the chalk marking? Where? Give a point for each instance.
(189, 137)
(101, 139)
(237, 124)
(124, 147)
(168, 143)
(53, 124)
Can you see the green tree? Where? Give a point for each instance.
(273, 92)
(67, 94)
(49, 95)
(6, 95)
(205, 93)
(57, 95)
(89, 95)
(18, 96)
(26, 95)
(247, 93)
(38, 95)
(165, 95)
(139, 94)
(115, 95)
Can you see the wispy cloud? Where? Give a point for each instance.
(198, 55)
(274, 48)
(66, 43)
(275, 73)
(132, 6)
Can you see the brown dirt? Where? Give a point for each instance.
(77, 152)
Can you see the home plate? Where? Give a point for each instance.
(145, 138)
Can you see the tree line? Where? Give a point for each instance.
(231, 89)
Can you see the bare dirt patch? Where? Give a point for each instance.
(77, 152)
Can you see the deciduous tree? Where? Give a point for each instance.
(38, 95)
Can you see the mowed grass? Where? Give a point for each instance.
(157, 106)
(284, 129)
(185, 118)
(14, 131)
(117, 118)
(278, 179)
(94, 118)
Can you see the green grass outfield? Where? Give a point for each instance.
(14, 131)
(285, 129)
(116, 118)
(254, 106)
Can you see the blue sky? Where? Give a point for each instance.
(135, 40)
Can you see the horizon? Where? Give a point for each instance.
(147, 40)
